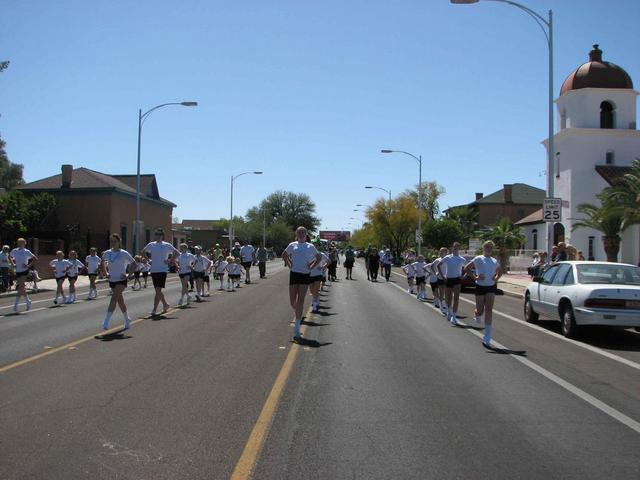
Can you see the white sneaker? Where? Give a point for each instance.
(127, 324)
(28, 304)
(105, 324)
(15, 308)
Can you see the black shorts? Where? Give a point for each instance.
(198, 274)
(159, 279)
(145, 274)
(348, 263)
(206, 278)
(22, 274)
(136, 274)
(92, 275)
(420, 280)
(61, 279)
(434, 285)
(182, 275)
(297, 278)
(315, 278)
(452, 282)
(72, 277)
(440, 281)
(120, 282)
(246, 265)
(483, 289)
(220, 274)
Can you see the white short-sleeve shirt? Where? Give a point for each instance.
(60, 267)
(418, 267)
(301, 254)
(246, 253)
(186, 261)
(408, 269)
(485, 266)
(201, 263)
(4, 260)
(320, 266)
(74, 267)
(221, 266)
(21, 256)
(117, 262)
(93, 263)
(452, 265)
(160, 253)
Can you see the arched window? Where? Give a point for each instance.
(558, 233)
(606, 115)
(535, 238)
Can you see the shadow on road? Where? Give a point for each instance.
(109, 337)
(314, 324)
(311, 343)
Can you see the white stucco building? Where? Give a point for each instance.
(595, 144)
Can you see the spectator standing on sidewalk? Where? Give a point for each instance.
(5, 263)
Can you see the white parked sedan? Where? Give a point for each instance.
(586, 293)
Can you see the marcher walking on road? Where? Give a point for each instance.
(300, 257)
(220, 267)
(22, 260)
(92, 262)
(411, 275)
(247, 258)
(185, 264)
(421, 274)
(387, 262)
(442, 304)
(116, 265)
(75, 267)
(161, 254)
(349, 261)
(432, 278)
(451, 269)
(261, 257)
(5, 265)
(60, 267)
(487, 273)
(316, 275)
(334, 261)
(200, 267)
(374, 264)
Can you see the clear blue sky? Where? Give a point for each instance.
(307, 91)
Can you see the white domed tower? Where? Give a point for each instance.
(596, 143)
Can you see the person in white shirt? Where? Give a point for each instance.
(162, 254)
(201, 265)
(419, 268)
(220, 267)
(75, 267)
(60, 266)
(185, 264)
(442, 304)
(206, 279)
(487, 272)
(22, 260)
(5, 265)
(315, 277)
(93, 267)
(116, 264)
(233, 273)
(451, 268)
(238, 270)
(411, 275)
(300, 257)
(433, 281)
(146, 268)
(248, 258)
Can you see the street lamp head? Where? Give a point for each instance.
(189, 104)
(257, 173)
(368, 187)
(464, 2)
(386, 151)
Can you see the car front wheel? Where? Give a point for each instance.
(569, 327)
(530, 315)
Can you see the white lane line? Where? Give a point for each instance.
(591, 348)
(590, 399)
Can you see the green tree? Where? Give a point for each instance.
(466, 217)
(431, 193)
(294, 209)
(394, 222)
(506, 236)
(20, 215)
(608, 218)
(10, 173)
(442, 233)
(626, 196)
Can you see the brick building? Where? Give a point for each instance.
(92, 205)
(514, 201)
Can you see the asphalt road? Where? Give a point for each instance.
(386, 390)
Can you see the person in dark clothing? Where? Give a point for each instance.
(374, 264)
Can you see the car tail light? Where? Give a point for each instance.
(605, 303)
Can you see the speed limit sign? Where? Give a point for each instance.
(552, 210)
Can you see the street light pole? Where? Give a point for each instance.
(141, 118)
(419, 160)
(231, 234)
(383, 189)
(548, 33)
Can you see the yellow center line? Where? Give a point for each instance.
(249, 458)
(66, 346)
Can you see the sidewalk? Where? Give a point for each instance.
(49, 285)
(514, 284)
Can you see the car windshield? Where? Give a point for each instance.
(613, 274)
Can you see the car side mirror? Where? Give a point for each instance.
(537, 279)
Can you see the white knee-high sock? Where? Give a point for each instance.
(487, 334)
(296, 328)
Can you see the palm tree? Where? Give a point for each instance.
(506, 236)
(466, 217)
(626, 195)
(607, 218)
